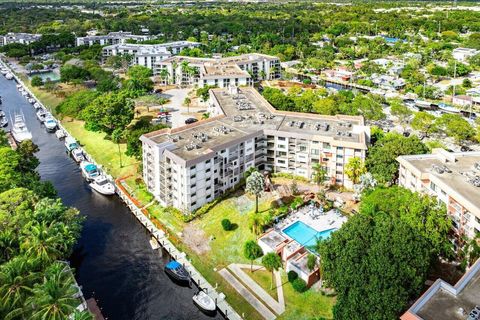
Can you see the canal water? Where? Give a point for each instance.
(113, 259)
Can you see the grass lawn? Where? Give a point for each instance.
(264, 279)
(138, 190)
(105, 152)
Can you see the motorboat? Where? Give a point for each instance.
(70, 143)
(177, 272)
(448, 109)
(9, 76)
(31, 100)
(102, 185)
(37, 105)
(204, 302)
(2, 113)
(24, 93)
(41, 115)
(50, 123)
(77, 155)
(89, 170)
(20, 131)
(4, 71)
(3, 122)
(60, 134)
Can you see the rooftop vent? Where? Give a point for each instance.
(474, 314)
(437, 169)
(323, 126)
(223, 129)
(477, 166)
(475, 181)
(237, 118)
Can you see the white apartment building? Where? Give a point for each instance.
(188, 71)
(148, 54)
(462, 54)
(23, 38)
(189, 166)
(453, 178)
(221, 72)
(109, 39)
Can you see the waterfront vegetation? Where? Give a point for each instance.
(37, 232)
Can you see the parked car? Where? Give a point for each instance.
(190, 120)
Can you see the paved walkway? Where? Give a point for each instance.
(257, 304)
(277, 306)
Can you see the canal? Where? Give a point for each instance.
(113, 259)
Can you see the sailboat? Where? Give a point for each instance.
(20, 131)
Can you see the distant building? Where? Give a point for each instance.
(221, 72)
(462, 100)
(148, 54)
(386, 82)
(443, 301)
(187, 167)
(109, 39)
(453, 178)
(23, 38)
(462, 54)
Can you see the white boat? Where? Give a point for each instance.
(60, 134)
(102, 185)
(41, 114)
(4, 71)
(31, 100)
(77, 155)
(89, 170)
(19, 86)
(24, 93)
(70, 143)
(9, 76)
(50, 123)
(37, 105)
(20, 131)
(204, 302)
(448, 109)
(3, 122)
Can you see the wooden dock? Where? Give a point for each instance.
(94, 309)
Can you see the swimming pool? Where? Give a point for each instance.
(306, 235)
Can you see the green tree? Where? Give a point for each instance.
(252, 251)
(272, 262)
(455, 126)
(381, 159)
(401, 111)
(319, 173)
(139, 82)
(71, 73)
(311, 262)
(354, 168)
(36, 81)
(255, 185)
(376, 265)
(424, 122)
(73, 104)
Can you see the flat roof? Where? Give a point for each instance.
(272, 239)
(246, 114)
(445, 302)
(224, 70)
(453, 172)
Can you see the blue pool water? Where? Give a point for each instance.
(305, 235)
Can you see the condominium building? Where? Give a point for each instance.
(188, 71)
(443, 301)
(109, 39)
(148, 54)
(189, 166)
(221, 72)
(23, 38)
(453, 178)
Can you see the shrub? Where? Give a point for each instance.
(226, 224)
(292, 276)
(36, 81)
(299, 285)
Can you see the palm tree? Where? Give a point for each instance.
(354, 168)
(206, 115)
(319, 173)
(54, 298)
(255, 186)
(16, 280)
(272, 262)
(41, 243)
(164, 75)
(252, 251)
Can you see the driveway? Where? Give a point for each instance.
(180, 112)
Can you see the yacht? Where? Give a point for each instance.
(9, 76)
(77, 155)
(50, 123)
(31, 100)
(70, 143)
(89, 170)
(20, 131)
(177, 272)
(4, 71)
(204, 302)
(3, 122)
(37, 105)
(41, 115)
(102, 185)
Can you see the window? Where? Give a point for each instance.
(193, 194)
(281, 138)
(208, 179)
(208, 188)
(303, 148)
(193, 186)
(339, 156)
(208, 170)
(282, 146)
(193, 176)
(208, 161)
(192, 167)
(315, 152)
(194, 203)
(281, 161)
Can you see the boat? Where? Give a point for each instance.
(77, 155)
(102, 185)
(31, 100)
(154, 243)
(204, 302)
(19, 87)
(20, 131)
(41, 115)
(9, 76)
(2, 113)
(4, 71)
(447, 108)
(60, 134)
(3, 122)
(177, 272)
(50, 123)
(89, 170)
(37, 105)
(70, 143)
